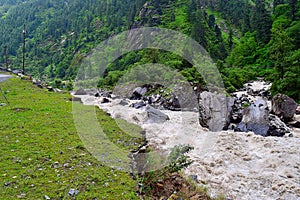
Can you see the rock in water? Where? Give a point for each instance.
(80, 92)
(214, 111)
(255, 118)
(138, 93)
(277, 127)
(284, 107)
(155, 116)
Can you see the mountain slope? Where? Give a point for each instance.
(239, 36)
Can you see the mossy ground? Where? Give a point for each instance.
(42, 154)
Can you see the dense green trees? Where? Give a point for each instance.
(278, 51)
(245, 38)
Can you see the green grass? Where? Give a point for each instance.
(37, 131)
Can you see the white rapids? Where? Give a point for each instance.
(236, 165)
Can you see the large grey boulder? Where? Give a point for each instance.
(277, 127)
(215, 110)
(255, 118)
(138, 93)
(81, 91)
(155, 115)
(284, 107)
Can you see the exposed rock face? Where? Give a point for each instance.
(214, 111)
(284, 107)
(155, 116)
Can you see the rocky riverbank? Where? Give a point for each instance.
(240, 165)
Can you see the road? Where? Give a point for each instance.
(4, 77)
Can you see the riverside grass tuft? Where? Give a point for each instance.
(42, 155)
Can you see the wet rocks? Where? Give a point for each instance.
(255, 118)
(80, 92)
(138, 105)
(251, 111)
(155, 115)
(104, 100)
(138, 93)
(277, 127)
(214, 110)
(284, 107)
(295, 124)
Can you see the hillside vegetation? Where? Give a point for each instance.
(246, 39)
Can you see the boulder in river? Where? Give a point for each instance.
(81, 91)
(277, 127)
(138, 93)
(155, 115)
(255, 118)
(284, 107)
(214, 110)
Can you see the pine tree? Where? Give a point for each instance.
(261, 23)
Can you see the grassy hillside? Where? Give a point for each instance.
(41, 153)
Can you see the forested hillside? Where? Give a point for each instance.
(245, 38)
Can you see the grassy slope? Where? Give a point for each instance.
(40, 131)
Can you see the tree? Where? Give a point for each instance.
(211, 21)
(293, 4)
(245, 52)
(276, 3)
(261, 22)
(280, 47)
(198, 28)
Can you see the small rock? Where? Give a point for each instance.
(298, 110)
(50, 89)
(56, 165)
(194, 178)
(7, 184)
(66, 165)
(295, 124)
(106, 184)
(122, 102)
(73, 192)
(47, 197)
(21, 195)
(138, 105)
(104, 100)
